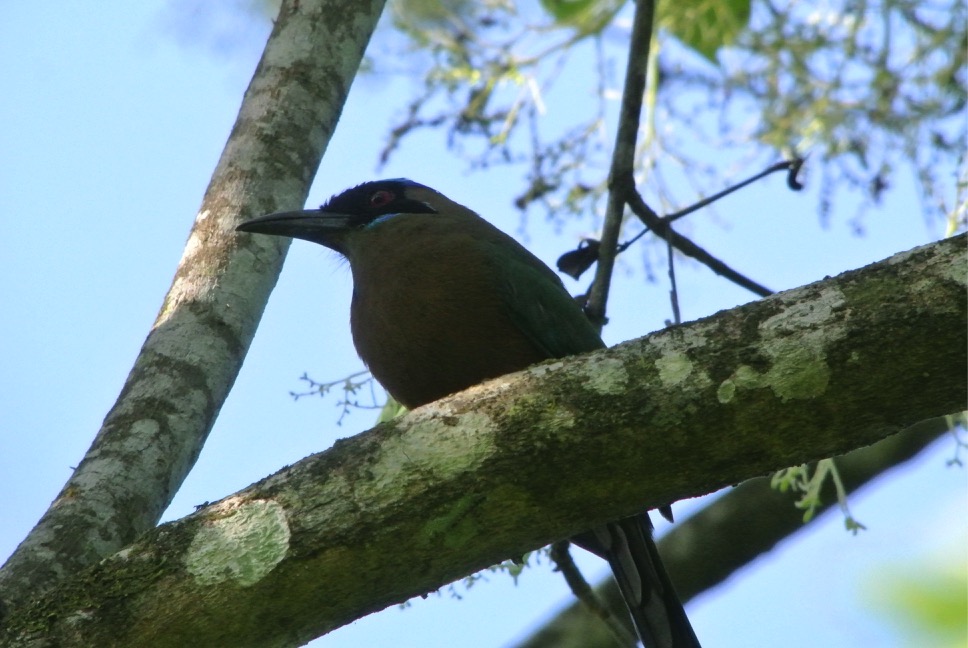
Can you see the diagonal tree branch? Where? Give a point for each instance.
(398, 511)
(746, 522)
(153, 434)
(663, 229)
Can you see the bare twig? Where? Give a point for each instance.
(576, 262)
(673, 291)
(791, 166)
(586, 595)
(687, 247)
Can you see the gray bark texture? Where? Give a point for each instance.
(531, 458)
(152, 436)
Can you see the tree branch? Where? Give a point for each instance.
(703, 550)
(402, 509)
(153, 434)
(663, 229)
(621, 174)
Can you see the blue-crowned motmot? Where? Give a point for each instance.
(443, 300)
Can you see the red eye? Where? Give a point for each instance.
(380, 198)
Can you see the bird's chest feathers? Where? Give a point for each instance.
(433, 318)
(409, 303)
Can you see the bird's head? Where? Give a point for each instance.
(364, 207)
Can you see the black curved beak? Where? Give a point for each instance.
(312, 225)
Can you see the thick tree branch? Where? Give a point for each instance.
(746, 522)
(400, 510)
(153, 434)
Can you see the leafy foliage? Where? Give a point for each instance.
(928, 605)
(866, 89)
(810, 483)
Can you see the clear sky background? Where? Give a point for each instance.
(112, 117)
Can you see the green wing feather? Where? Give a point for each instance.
(540, 306)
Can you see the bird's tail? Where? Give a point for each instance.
(656, 611)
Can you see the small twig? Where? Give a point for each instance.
(584, 593)
(792, 166)
(687, 247)
(349, 386)
(673, 291)
(576, 262)
(956, 422)
(793, 180)
(317, 388)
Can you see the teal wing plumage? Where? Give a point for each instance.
(541, 307)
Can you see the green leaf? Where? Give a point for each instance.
(927, 602)
(564, 11)
(587, 16)
(390, 410)
(704, 26)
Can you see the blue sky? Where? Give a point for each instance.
(111, 121)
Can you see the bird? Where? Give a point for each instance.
(443, 300)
